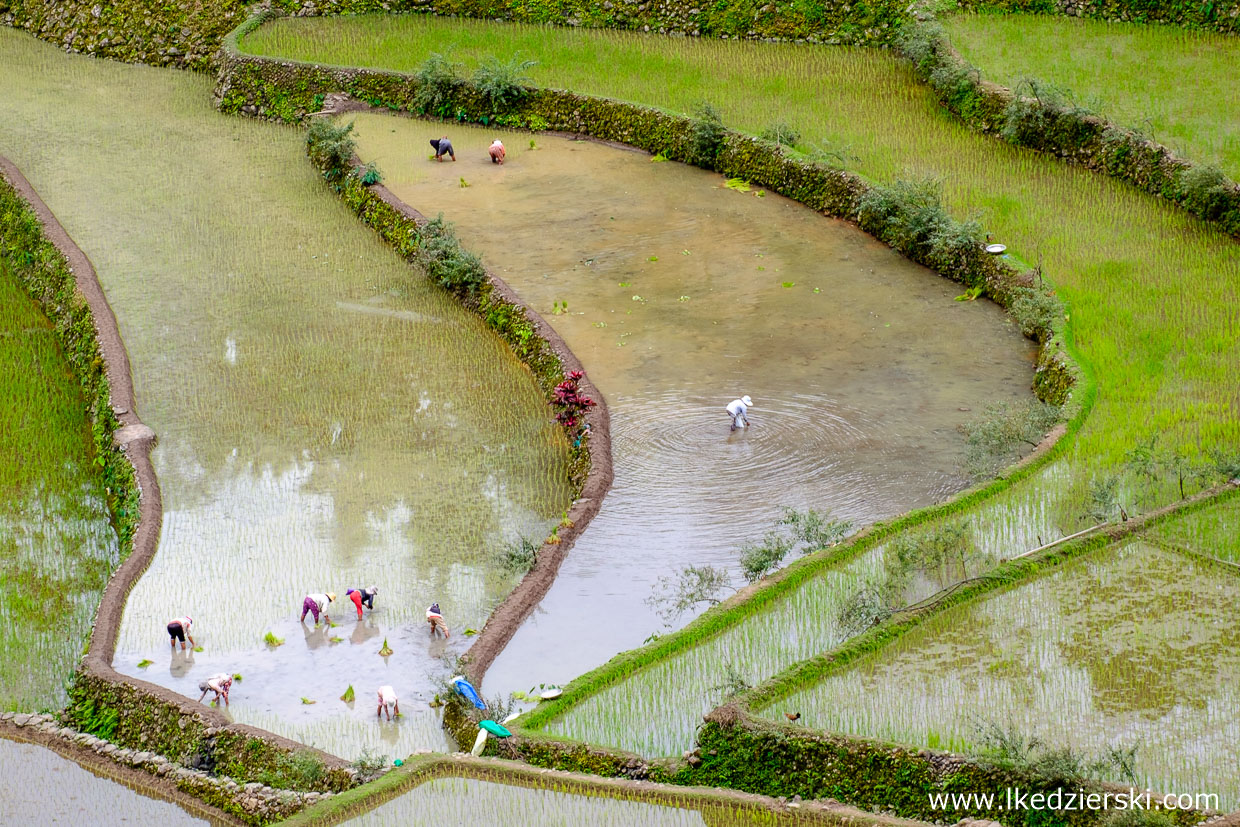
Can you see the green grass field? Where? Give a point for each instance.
(57, 547)
(1134, 75)
(1151, 292)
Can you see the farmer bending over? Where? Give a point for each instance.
(179, 630)
(442, 147)
(738, 410)
(387, 702)
(497, 152)
(316, 604)
(435, 618)
(219, 684)
(360, 596)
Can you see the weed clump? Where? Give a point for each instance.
(1036, 312)
(782, 134)
(330, 147)
(300, 770)
(443, 258)
(998, 436)
(910, 216)
(1206, 191)
(519, 556)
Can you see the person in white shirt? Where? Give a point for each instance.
(317, 604)
(219, 684)
(179, 630)
(388, 702)
(738, 410)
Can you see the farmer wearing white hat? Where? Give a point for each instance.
(219, 684)
(179, 630)
(737, 409)
(317, 604)
(388, 702)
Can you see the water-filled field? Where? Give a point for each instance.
(1133, 74)
(679, 295)
(1130, 646)
(326, 418)
(57, 547)
(37, 786)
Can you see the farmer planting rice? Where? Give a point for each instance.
(738, 410)
(219, 684)
(178, 629)
(442, 147)
(497, 152)
(317, 604)
(388, 702)
(360, 596)
(435, 618)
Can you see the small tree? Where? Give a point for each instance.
(330, 147)
(759, 560)
(706, 134)
(438, 78)
(501, 83)
(673, 596)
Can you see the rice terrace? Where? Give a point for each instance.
(620, 412)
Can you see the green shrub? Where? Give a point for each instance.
(919, 42)
(781, 133)
(814, 530)
(440, 254)
(502, 84)
(996, 438)
(706, 134)
(438, 78)
(371, 175)
(301, 770)
(1041, 115)
(1206, 191)
(1036, 312)
(370, 764)
(759, 559)
(909, 215)
(330, 147)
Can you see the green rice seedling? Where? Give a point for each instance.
(348, 696)
(271, 640)
(142, 664)
(386, 650)
(308, 702)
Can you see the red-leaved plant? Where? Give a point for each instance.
(571, 405)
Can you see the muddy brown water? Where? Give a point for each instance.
(37, 786)
(682, 294)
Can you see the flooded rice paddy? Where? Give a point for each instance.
(462, 800)
(57, 547)
(681, 295)
(38, 786)
(1130, 646)
(326, 418)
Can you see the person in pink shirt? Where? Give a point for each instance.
(497, 152)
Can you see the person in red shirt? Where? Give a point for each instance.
(360, 596)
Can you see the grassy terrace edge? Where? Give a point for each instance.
(1067, 132)
(420, 769)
